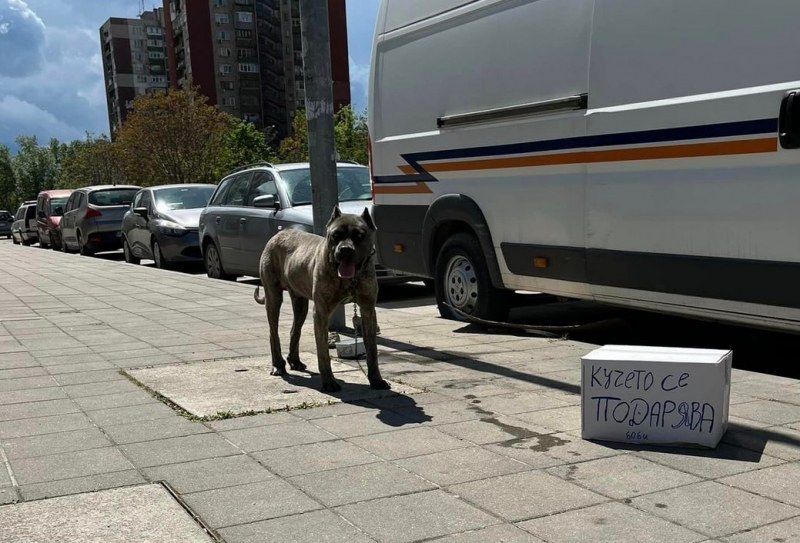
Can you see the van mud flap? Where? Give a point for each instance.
(533, 329)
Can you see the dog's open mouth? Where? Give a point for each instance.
(347, 270)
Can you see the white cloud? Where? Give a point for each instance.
(24, 118)
(359, 84)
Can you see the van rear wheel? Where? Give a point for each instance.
(462, 281)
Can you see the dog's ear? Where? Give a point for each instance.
(368, 219)
(335, 215)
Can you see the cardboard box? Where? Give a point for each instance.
(655, 395)
(351, 348)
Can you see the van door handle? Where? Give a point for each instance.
(789, 122)
(242, 220)
(218, 219)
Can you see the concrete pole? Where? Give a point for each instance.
(319, 111)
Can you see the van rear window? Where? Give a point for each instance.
(112, 197)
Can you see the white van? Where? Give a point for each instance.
(633, 152)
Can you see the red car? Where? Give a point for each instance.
(49, 208)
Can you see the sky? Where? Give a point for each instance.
(51, 71)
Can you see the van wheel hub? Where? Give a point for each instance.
(461, 284)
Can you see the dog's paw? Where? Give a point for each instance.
(331, 386)
(296, 365)
(379, 385)
(277, 371)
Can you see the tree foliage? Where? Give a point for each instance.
(174, 137)
(350, 133)
(91, 161)
(8, 183)
(35, 168)
(245, 144)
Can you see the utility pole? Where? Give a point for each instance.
(319, 112)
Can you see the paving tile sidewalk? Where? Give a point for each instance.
(490, 451)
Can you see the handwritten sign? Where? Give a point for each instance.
(655, 395)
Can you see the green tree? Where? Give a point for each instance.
(8, 183)
(89, 162)
(294, 148)
(35, 168)
(245, 144)
(351, 134)
(174, 137)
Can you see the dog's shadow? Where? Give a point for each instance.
(393, 408)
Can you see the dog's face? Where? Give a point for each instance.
(350, 241)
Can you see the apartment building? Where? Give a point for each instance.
(246, 56)
(134, 55)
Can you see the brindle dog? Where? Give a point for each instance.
(329, 270)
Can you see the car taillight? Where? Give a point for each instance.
(92, 213)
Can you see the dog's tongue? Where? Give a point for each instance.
(347, 270)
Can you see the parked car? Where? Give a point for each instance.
(92, 220)
(23, 229)
(162, 224)
(6, 219)
(255, 203)
(49, 208)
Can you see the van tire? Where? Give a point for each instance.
(462, 280)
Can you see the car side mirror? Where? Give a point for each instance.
(266, 201)
(141, 211)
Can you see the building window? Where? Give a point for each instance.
(224, 51)
(244, 33)
(138, 43)
(244, 17)
(229, 101)
(225, 68)
(244, 53)
(155, 55)
(156, 68)
(228, 85)
(141, 78)
(154, 30)
(222, 35)
(138, 68)
(155, 43)
(138, 56)
(248, 67)
(220, 3)
(222, 18)
(158, 79)
(137, 29)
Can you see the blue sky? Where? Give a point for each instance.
(51, 74)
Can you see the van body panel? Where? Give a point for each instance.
(665, 187)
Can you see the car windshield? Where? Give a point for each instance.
(353, 184)
(112, 197)
(57, 206)
(183, 198)
(5, 216)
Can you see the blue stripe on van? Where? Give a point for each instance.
(709, 131)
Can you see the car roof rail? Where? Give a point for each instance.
(253, 165)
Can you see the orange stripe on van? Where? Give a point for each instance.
(417, 188)
(741, 147)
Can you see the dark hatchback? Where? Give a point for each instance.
(161, 224)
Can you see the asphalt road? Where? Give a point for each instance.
(756, 350)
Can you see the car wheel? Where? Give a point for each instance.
(213, 263)
(82, 248)
(158, 257)
(26, 242)
(14, 240)
(463, 282)
(126, 249)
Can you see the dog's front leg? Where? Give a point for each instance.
(321, 317)
(370, 325)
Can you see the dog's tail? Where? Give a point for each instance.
(260, 299)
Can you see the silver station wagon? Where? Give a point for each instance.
(255, 203)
